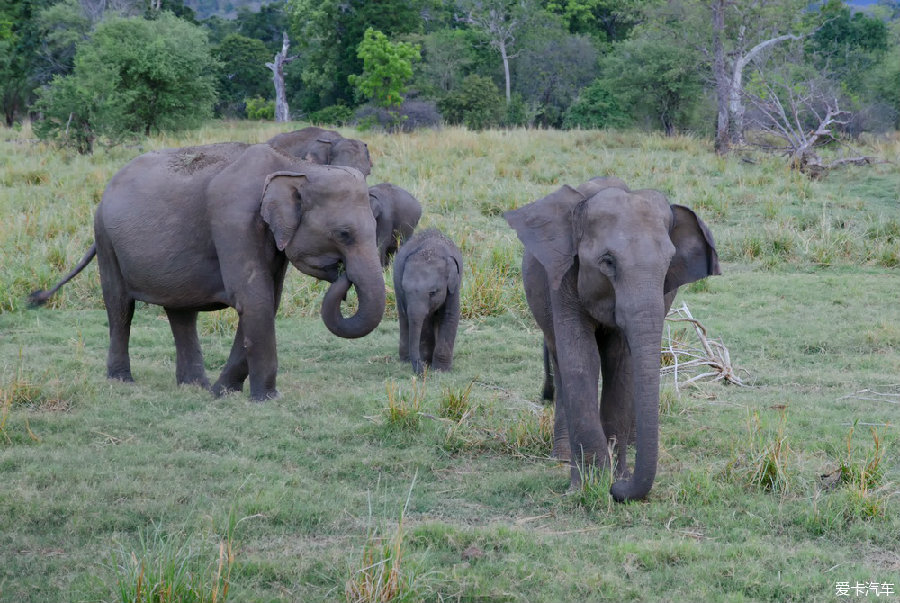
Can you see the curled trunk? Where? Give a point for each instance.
(370, 290)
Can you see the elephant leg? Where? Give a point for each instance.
(236, 369)
(188, 354)
(616, 397)
(119, 312)
(561, 448)
(404, 333)
(578, 364)
(445, 338)
(262, 359)
(548, 389)
(426, 342)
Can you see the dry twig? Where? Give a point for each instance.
(709, 354)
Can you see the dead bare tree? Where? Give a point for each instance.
(795, 117)
(501, 21)
(282, 111)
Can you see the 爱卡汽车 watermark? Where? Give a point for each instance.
(864, 589)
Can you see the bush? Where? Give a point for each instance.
(409, 116)
(594, 109)
(477, 104)
(259, 108)
(133, 76)
(334, 115)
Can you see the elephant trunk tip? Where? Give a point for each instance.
(38, 298)
(633, 489)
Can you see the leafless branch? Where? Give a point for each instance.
(683, 360)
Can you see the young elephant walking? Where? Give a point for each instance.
(427, 279)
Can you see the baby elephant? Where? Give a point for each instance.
(427, 278)
(396, 213)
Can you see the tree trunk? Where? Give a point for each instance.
(505, 58)
(719, 71)
(282, 111)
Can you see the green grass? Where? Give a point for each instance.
(773, 492)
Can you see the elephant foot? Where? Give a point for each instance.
(418, 367)
(220, 388)
(561, 450)
(271, 394)
(200, 380)
(120, 375)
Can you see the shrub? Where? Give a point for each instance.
(595, 108)
(259, 108)
(477, 104)
(334, 115)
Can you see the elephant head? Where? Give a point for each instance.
(325, 147)
(321, 220)
(612, 264)
(396, 213)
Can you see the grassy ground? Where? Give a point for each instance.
(361, 483)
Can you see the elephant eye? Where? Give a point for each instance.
(607, 264)
(344, 236)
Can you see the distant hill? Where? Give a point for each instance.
(226, 9)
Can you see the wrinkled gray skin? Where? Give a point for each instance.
(427, 279)
(396, 213)
(210, 227)
(600, 274)
(325, 147)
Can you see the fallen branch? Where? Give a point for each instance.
(710, 354)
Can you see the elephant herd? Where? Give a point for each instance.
(214, 226)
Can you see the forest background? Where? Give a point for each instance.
(89, 70)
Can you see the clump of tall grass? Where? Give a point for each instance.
(859, 474)
(173, 568)
(763, 464)
(382, 575)
(531, 434)
(456, 404)
(403, 409)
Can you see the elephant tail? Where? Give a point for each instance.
(40, 297)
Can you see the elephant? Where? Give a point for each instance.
(396, 213)
(600, 274)
(427, 279)
(204, 228)
(325, 147)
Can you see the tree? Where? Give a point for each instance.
(596, 107)
(500, 21)
(282, 112)
(552, 67)
(477, 103)
(387, 68)
(654, 79)
(328, 34)
(133, 76)
(242, 74)
(607, 21)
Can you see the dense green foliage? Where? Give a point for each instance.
(387, 68)
(655, 59)
(769, 493)
(132, 76)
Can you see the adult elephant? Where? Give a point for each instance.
(210, 227)
(600, 274)
(325, 147)
(396, 213)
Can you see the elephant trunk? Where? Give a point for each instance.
(369, 282)
(416, 320)
(644, 332)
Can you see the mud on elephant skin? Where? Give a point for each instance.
(600, 273)
(427, 279)
(396, 213)
(205, 228)
(325, 147)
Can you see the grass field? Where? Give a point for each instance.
(363, 484)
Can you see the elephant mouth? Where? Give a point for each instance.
(322, 267)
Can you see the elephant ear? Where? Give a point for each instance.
(376, 204)
(281, 205)
(454, 275)
(545, 228)
(695, 251)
